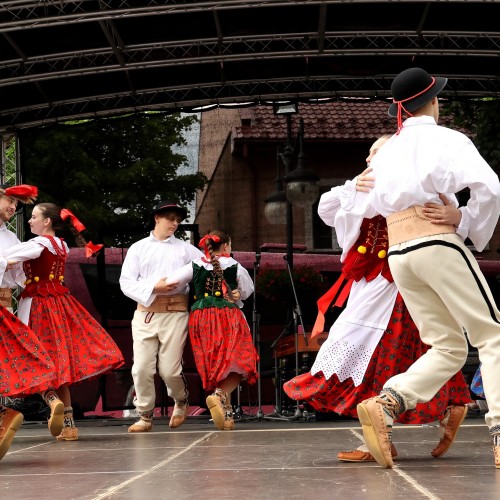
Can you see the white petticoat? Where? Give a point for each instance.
(355, 335)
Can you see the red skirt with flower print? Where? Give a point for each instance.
(399, 347)
(25, 366)
(222, 344)
(77, 344)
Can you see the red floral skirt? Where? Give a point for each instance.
(222, 344)
(399, 347)
(77, 344)
(25, 366)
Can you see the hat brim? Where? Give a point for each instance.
(422, 99)
(181, 211)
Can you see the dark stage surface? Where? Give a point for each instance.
(261, 459)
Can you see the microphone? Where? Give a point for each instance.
(257, 259)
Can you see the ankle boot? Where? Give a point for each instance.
(69, 431)
(144, 424)
(216, 403)
(228, 418)
(56, 420)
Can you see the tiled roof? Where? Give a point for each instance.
(358, 119)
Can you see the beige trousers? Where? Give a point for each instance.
(158, 344)
(445, 290)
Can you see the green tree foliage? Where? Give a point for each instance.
(480, 118)
(112, 172)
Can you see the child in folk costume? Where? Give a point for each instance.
(25, 366)
(220, 336)
(77, 344)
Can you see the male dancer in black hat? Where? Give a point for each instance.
(160, 323)
(438, 277)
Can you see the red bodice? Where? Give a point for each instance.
(45, 274)
(368, 256)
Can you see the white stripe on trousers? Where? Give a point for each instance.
(445, 290)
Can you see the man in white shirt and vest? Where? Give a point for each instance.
(160, 323)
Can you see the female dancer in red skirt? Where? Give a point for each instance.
(76, 343)
(25, 368)
(220, 337)
(374, 337)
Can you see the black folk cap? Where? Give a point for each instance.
(168, 205)
(413, 88)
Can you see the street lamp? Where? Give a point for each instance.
(301, 183)
(301, 190)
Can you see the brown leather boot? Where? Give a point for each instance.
(179, 415)
(56, 420)
(10, 422)
(449, 426)
(376, 432)
(69, 432)
(216, 403)
(361, 456)
(142, 425)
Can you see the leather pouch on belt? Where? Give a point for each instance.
(166, 303)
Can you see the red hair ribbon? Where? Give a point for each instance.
(401, 107)
(91, 249)
(65, 214)
(203, 244)
(23, 192)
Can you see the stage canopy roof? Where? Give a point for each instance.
(74, 59)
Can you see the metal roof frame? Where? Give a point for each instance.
(75, 59)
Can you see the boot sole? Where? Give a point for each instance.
(9, 434)
(73, 437)
(56, 421)
(213, 404)
(371, 438)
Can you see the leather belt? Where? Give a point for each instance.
(6, 297)
(411, 223)
(166, 303)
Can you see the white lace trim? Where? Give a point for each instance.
(347, 352)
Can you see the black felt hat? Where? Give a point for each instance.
(413, 88)
(168, 205)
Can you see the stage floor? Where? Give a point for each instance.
(260, 459)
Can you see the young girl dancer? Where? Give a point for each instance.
(220, 337)
(76, 343)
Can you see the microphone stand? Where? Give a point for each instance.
(296, 315)
(256, 340)
(256, 335)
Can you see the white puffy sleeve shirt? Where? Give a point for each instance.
(148, 260)
(14, 276)
(424, 160)
(30, 250)
(334, 210)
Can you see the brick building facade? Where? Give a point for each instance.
(238, 153)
